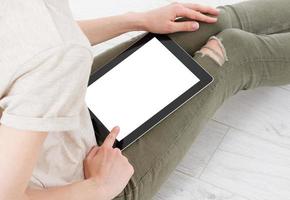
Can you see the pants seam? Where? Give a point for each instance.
(274, 29)
(253, 61)
(246, 61)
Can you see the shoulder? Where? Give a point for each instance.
(26, 29)
(29, 29)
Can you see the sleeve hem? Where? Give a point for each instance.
(40, 124)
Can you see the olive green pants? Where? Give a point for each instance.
(256, 37)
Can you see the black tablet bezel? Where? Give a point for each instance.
(183, 56)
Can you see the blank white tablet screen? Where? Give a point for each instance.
(139, 87)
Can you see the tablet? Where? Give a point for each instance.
(142, 86)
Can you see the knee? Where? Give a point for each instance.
(236, 36)
(224, 19)
(215, 50)
(230, 44)
(237, 41)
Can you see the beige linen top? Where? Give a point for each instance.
(45, 62)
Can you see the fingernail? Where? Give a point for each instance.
(195, 26)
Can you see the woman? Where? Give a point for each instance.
(45, 94)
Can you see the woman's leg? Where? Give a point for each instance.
(252, 61)
(255, 16)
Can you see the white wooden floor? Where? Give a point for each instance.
(243, 153)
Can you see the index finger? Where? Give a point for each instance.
(110, 139)
(192, 14)
(202, 8)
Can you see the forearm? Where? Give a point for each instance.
(57, 193)
(87, 190)
(99, 30)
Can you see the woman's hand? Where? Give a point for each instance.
(108, 167)
(106, 170)
(162, 20)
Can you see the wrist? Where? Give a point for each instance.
(98, 185)
(87, 189)
(136, 21)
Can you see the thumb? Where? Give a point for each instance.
(185, 26)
